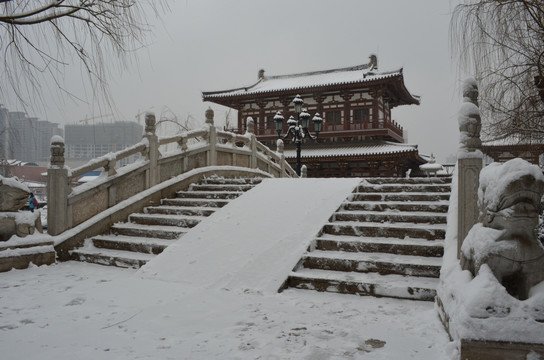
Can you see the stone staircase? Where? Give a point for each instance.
(386, 240)
(134, 243)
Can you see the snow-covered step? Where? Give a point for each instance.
(23, 252)
(212, 203)
(381, 263)
(414, 206)
(208, 194)
(386, 239)
(397, 230)
(416, 180)
(406, 246)
(440, 188)
(221, 187)
(371, 284)
(131, 243)
(147, 234)
(390, 216)
(219, 181)
(119, 258)
(416, 196)
(180, 210)
(165, 219)
(153, 231)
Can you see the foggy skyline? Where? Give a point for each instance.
(211, 45)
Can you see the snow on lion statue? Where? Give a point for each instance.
(509, 198)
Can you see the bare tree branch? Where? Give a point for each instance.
(39, 39)
(501, 42)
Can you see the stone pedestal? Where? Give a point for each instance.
(58, 188)
(468, 182)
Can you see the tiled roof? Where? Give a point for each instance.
(338, 150)
(355, 74)
(512, 141)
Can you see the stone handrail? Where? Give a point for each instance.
(69, 207)
(108, 161)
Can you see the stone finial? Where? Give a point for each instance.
(150, 123)
(470, 123)
(57, 151)
(304, 171)
(470, 91)
(250, 123)
(373, 62)
(279, 145)
(261, 74)
(209, 116)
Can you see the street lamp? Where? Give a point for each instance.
(298, 128)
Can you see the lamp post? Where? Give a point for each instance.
(298, 129)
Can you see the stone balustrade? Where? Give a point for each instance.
(69, 207)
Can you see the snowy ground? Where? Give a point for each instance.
(187, 304)
(93, 312)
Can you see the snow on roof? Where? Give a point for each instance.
(331, 150)
(512, 141)
(349, 75)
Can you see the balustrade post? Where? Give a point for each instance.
(279, 146)
(250, 125)
(153, 153)
(469, 162)
(58, 188)
(304, 171)
(212, 138)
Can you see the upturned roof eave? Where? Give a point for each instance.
(224, 98)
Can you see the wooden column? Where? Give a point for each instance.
(346, 95)
(319, 98)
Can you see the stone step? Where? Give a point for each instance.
(416, 247)
(221, 187)
(152, 231)
(219, 181)
(397, 230)
(212, 203)
(180, 210)
(389, 217)
(208, 194)
(427, 188)
(19, 256)
(416, 196)
(131, 243)
(164, 219)
(381, 263)
(369, 284)
(424, 206)
(118, 258)
(414, 180)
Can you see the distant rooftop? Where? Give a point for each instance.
(339, 150)
(359, 74)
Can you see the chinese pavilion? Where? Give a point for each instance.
(509, 147)
(359, 136)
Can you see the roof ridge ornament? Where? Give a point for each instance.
(373, 64)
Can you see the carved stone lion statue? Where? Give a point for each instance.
(505, 238)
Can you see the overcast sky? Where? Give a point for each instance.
(205, 45)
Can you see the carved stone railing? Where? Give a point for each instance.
(69, 207)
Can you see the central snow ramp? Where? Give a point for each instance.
(255, 241)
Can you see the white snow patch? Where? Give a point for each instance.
(268, 222)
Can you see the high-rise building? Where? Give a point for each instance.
(85, 142)
(25, 138)
(29, 138)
